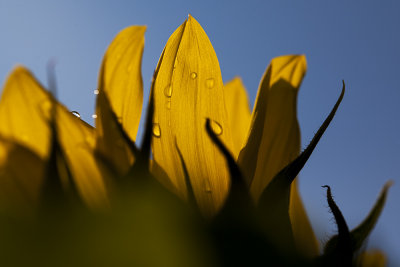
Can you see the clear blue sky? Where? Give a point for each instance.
(351, 40)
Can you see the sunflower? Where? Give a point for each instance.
(235, 168)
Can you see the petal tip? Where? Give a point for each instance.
(19, 68)
(191, 19)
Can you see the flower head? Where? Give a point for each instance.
(236, 168)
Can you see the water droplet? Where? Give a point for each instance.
(217, 128)
(168, 104)
(168, 90)
(76, 113)
(193, 75)
(94, 116)
(207, 186)
(156, 130)
(210, 83)
(96, 92)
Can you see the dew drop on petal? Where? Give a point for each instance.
(96, 92)
(193, 75)
(168, 104)
(76, 113)
(94, 116)
(168, 90)
(207, 186)
(156, 130)
(210, 83)
(217, 128)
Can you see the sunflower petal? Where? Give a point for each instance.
(274, 203)
(188, 88)
(274, 138)
(20, 115)
(237, 106)
(77, 140)
(110, 142)
(121, 78)
(25, 112)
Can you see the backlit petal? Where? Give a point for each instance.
(25, 109)
(21, 115)
(110, 143)
(188, 89)
(237, 106)
(77, 140)
(121, 79)
(274, 139)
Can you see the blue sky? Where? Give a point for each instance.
(357, 41)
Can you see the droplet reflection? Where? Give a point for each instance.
(156, 130)
(210, 83)
(207, 186)
(168, 91)
(217, 128)
(76, 113)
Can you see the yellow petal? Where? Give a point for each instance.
(25, 109)
(374, 258)
(121, 78)
(110, 142)
(237, 106)
(188, 89)
(21, 177)
(77, 140)
(274, 139)
(20, 111)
